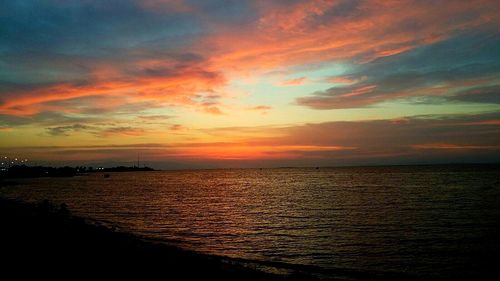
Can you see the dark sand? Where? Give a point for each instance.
(43, 240)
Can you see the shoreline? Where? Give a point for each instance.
(44, 235)
(33, 232)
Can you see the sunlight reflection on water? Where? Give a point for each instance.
(394, 219)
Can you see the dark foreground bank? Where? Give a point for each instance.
(41, 239)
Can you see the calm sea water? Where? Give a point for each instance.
(403, 221)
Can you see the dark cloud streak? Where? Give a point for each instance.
(442, 69)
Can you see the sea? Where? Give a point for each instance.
(347, 223)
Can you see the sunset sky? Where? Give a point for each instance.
(262, 83)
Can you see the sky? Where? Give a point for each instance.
(263, 83)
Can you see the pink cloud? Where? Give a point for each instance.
(294, 82)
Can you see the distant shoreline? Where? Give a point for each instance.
(462, 165)
(24, 171)
(342, 166)
(18, 172)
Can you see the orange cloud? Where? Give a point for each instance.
(176, 89)
(248, 151)
(177, 127)
(360, 91)
(212, 110)
(281, 36)
(392, 51)
(344, 79)
(302, 33)
(294, 82)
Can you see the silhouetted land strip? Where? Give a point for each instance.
(127, 169)
(50, 239)
(23, 171)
